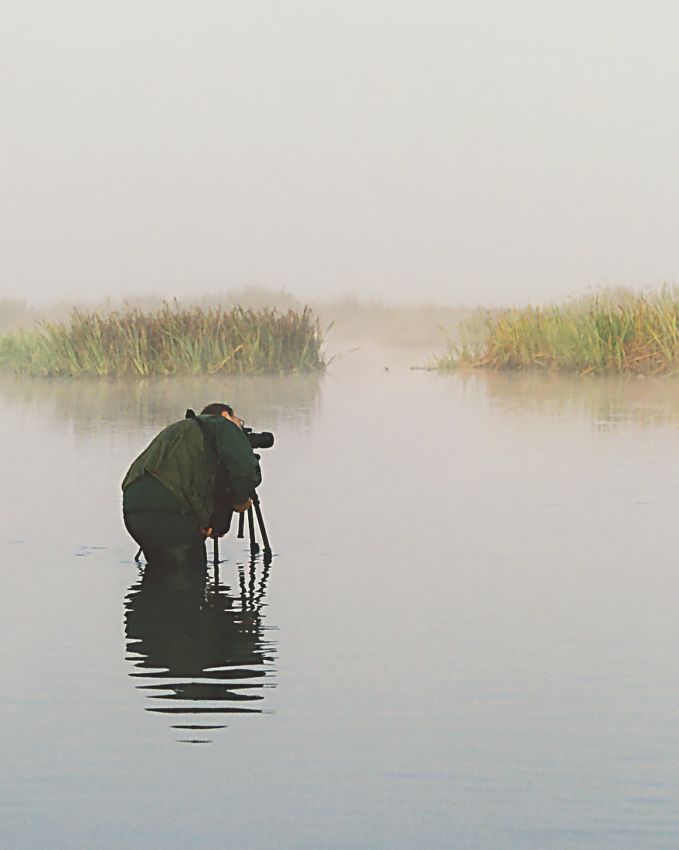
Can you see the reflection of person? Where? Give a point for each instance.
(201, 652)
(184, 485)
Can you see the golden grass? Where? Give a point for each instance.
(612, 333)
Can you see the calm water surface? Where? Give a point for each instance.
(468, 636)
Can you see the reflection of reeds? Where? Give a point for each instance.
(168, 341)
(267, 402)
(634, 334)
(607, 403)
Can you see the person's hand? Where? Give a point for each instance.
(244, 507)
(206, 532)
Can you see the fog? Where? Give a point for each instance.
(458, 152)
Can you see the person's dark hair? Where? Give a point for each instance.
(216, 409)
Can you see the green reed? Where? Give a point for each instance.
(613, 333)
(168, 341)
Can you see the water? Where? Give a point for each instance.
(467, 638)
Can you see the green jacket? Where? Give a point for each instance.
(182, 461)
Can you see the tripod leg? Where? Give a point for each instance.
(262, 530)
(254, 546)
(241, 523)
(215, 551)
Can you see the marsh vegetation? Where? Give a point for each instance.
(258, 330)
(167, 341)
(615, 332)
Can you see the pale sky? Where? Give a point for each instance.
(485, 151)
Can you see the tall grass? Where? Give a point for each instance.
(613, 333)
(168, 341)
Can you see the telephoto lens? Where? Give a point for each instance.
(259, 439)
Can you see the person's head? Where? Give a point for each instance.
(218, 408)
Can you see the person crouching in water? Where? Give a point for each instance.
(184, 485)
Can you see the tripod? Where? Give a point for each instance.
(254, 546)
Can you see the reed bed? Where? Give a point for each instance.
(168, 341)
(626, 333)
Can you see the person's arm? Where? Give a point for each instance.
(240, 463)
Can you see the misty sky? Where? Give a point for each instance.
(486, 151)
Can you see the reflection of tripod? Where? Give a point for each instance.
(254, 546)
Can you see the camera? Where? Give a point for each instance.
(259, 439)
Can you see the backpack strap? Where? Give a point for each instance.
(208, 434)
(221, 517)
